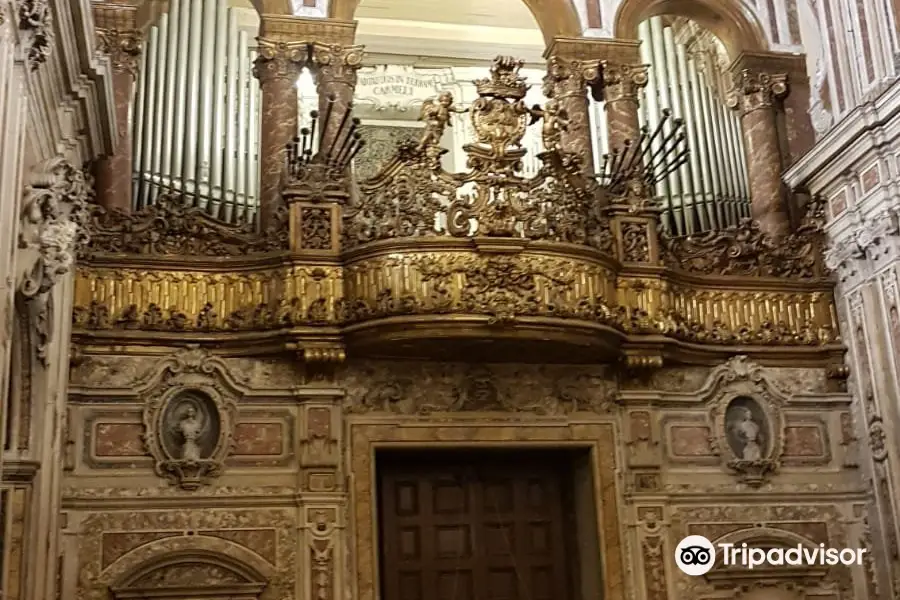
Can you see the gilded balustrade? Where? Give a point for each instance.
(420, 259)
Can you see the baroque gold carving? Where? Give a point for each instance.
(745, 250)
(189, 419)
(172, 227)
(280, 60)
(623, 82)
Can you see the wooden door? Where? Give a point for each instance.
(479, 529)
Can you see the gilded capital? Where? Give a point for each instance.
(623, 82)
(754, 90)
(567, 77)
(335, 63)
(280, 60)
(122, 47)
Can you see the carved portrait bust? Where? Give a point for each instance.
(747, 429)
(190, 427)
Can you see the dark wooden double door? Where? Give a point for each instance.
(475, 527)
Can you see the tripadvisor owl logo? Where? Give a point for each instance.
(695, 555)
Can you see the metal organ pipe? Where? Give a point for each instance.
(192, 131)
(695, 174)
(147, 142)
(159, 97)
(710, 190)
(218, 111)
(197, 119)
(139, 111)
(170, 82)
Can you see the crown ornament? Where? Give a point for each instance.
(505, 81)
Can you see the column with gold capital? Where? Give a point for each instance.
(755, 95)
(567, 82)
(335, 67)
(278, 67)
(118, 38)
(622, 84)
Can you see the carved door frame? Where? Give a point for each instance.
(368, 436)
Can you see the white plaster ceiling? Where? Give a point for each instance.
(488, 13)
(464, 29)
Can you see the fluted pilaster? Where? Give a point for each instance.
(755, 95)
(567, 81)
(118, 38)
(335, 68)
(622, 85)
(278, 68)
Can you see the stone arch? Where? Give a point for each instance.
(765, 535)
(729, 20)
(234, 569)
(273, 7)
(555, 18)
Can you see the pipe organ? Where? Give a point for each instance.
(197, 116)
(711, 190)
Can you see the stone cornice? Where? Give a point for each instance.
(846, 141)
(84, 82)
(286, 28)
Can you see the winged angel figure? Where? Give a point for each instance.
(188, 425)
(436, 114)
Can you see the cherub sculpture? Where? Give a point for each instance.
(556, 122)
(436, 114)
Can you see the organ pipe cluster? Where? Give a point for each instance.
(710, 190)
(307, 149)
(197, 117)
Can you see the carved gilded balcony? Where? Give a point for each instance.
(486, 264)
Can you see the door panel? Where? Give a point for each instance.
(485, 529)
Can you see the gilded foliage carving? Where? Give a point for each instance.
(122, 47)
(172, 227)
(744, 250)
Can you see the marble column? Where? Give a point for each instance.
(567, 81)
(278, 67)
(622, 86)
(754, 96)
(335, 67)
(114, 173)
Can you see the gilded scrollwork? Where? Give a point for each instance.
(122, 47)
(745, 250)
(172, 227)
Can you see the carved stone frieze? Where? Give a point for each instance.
(422, 389)
(176, 553)
(189, 418)
(36, 18)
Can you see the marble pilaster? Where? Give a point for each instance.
(118, 38)
(754, 96)
(795, 128)
(335, 67)
(622, 86)
(278, 68)
(566, 81)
